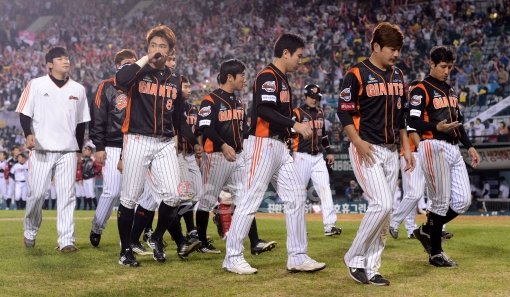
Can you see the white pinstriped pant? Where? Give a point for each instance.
(379, 183)
(112, 179)
(413, 185)
(39, 177)
(268, 160)
(218, 173)
(3, 186)
(446, 176)
(314, 167)
(153, 159)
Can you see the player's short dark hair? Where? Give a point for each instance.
(184, 79)
(287, 41)
(441, 53)
(387, 34)
(122, 55)
(55, 52)
(163, 32)
(15, 147)
(6, 155)
(232, 67)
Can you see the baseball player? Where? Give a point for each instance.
(308, 155)
(89, 181)
(370, 109)
(50, 104)
(78, 186)
(268, 160)
(20, 171)
(154, 110)
(221, 119)
(108, 112)
(3, 179)
(435, 113)
(9, 177)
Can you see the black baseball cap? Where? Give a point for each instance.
(55, 53)
(313, 91)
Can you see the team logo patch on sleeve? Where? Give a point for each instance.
(415, 113)
(204, 111)
(269, 86)
(346, 94)
(204, 123)
(121, 101)
(271, 98)
(347, 106)
(415, 100)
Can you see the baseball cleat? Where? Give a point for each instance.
(424, 238)
(442, 260)
(187, 248)
(411, 236)
(139, 249)
(95, 238)
(29, 243)
(158, 250)
(192, 236)
(128, 259)
(69, 249)
(393, 232)
(446, 235)
(263, 246)
(209, 249)
(358, 275)
(146, 234)
(309, 265)
(333, 231)
(378, 280)
(241, 267)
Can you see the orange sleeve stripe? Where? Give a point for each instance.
(208, 98)
(421, 86)
(356, 119)
(357, 74)
(125, 125)
(24, 98)
(99, 93)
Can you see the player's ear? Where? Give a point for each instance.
(377, 47)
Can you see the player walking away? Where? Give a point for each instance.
(308, 155)
(268, 160)
(20, 171)
(108, 112)
(221, 119)
(154, 110)
(9, 176)
(435, 113)
(3, 176)
(53, 112)
(371, 110)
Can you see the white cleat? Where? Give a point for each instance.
(308, 265)
(242, 267)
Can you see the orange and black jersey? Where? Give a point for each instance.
(107, 114)
(272, 105)
(314, 117)
(373, 100)
(191, 116)
(221, 119)
(155, 104)
(430, 102)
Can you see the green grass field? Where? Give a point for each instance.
(481, 246)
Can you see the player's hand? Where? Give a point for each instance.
(447, 128)
(120, 166)
(157, 59)
(228, 152)
(100, 157)
(410, 162)
(365, 152)
(303, 129)
(30, 142)
(475, 157)
(198, 151)
(330, 159)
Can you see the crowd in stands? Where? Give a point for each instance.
(208, 32)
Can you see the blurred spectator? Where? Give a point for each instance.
(491, 131)
(503, 188)
(353, 191)
(486, 190)
(503, 132)
(479, 130)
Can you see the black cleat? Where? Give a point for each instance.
(139, 249)
(442, 260)
(446, 235)
(29, 243)
(128, 259)
(424, 238)
(95, 238)
(208, 249)
(158, 249)
(187, 247)
(263, 246)
(378, 280)
(146, 234)
(393, 232)
(333, 231)
(358, 275)
(192, 236)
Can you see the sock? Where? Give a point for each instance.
(18, 206)
(165, 215)
(78, 203)
(53, 203)
(202, 221)
(45, 204)
(450, 215)
(150, 219)
(253, 234)
(435, 223)
(23, 204)
(125, 218)
(95, 202)
(140, 221)
(8, 202)
(175, 230)
(186, 212)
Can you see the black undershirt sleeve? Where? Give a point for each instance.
(26, 124)
(80, 134)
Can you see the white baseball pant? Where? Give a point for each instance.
(80, 191)
(269, 160)
(21, 191)
(3, 187)
(153, 159)
(89, 188)
(379, 183)
(112, 179)
(11, 188)
(314, 167)
(39, 177)
(446, 176)
(413, 185)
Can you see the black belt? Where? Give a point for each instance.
(284, 139)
